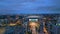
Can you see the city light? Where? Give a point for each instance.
(12, 24)
(33, 24)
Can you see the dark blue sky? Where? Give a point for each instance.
(29, 6)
